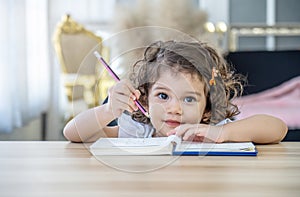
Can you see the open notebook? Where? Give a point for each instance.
(171, 145)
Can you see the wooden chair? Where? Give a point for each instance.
(80, 73)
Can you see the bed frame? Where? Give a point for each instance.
(267, 69)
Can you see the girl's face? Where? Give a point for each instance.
(176, 99)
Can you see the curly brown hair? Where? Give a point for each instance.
(191, 58)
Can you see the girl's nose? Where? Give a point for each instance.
(174, 107)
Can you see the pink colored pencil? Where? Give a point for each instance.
(116, 78)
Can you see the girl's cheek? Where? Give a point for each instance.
(156, 110)
(193, 116)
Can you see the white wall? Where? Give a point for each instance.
(217, 10)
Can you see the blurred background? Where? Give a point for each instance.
(35, 103)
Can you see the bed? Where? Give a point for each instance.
(273, 85)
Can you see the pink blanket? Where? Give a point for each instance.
(282, 101)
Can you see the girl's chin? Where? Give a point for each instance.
(164, 129)
(161, 133)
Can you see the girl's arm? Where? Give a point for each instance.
(261, 129)
(90, 125)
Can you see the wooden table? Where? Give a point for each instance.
(68, 169)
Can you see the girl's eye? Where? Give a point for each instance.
(163, 96)
(189, 99)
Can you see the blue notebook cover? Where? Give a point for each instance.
(211, 149)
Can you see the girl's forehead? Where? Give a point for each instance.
(179, 80)
(179, 72)
(175, 69)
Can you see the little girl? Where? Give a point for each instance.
(187, 90)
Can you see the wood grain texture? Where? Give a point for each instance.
(68, 169)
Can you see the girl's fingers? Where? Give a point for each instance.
(119, 107)
(123, 95)
(190, 134)
(172, 132)
(121, 89)
(180, 130)
(122, 101)
(124, 87)
(136, 93)
(124, 106)
(199, 132)
(189, 131)
(127, 102)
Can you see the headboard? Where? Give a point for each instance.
(265, 70)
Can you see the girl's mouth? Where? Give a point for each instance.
(172, 123)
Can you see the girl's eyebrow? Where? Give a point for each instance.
(194, 92)
(160, 88)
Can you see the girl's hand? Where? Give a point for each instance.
(199, 133)
(121, 97)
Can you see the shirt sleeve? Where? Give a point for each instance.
(223, 122)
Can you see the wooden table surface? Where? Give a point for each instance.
(51, 168)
